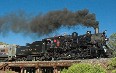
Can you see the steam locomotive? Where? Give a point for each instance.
(65, 47)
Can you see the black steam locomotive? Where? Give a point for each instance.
(66, 47)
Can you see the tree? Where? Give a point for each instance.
(112, 43)
(84, 68)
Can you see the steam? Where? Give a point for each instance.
(43, 24)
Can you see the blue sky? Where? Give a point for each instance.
(105, 11)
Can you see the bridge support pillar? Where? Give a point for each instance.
(56, 70)
(22, 70)
(38, 70)
(25, 71)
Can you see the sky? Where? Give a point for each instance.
(105, 11)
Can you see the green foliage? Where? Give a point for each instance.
(7, 71)
(64, 71)
(84, 68)
(112, 43)
(112, 64)
(113, 71)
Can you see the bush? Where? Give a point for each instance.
(113, 71)
(64, 71)
(112, 64)
(84, 68)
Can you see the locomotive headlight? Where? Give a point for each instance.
(106, 39)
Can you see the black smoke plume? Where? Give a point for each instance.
(43, 24)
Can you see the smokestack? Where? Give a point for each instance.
(96, 30)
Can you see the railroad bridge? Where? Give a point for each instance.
(37, 66)
(43, 66)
